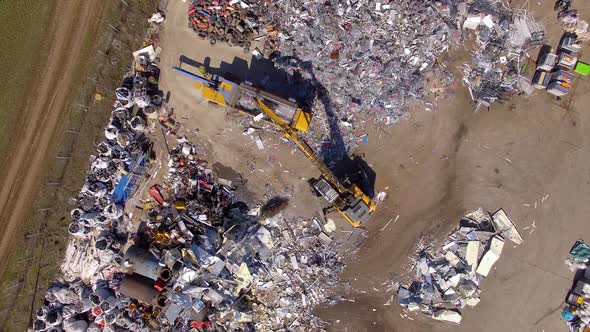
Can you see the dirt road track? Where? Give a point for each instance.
(72, 22)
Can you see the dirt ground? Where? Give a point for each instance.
(60, 117)
(43, 108)
(435, 167)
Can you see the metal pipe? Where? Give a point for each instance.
(165, 274)
(140, 288)
(193, 76)
(162, 301)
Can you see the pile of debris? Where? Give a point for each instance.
(570, 21)
(362, 59)
(503, 36)
(198, 259)
(358, 61)
(449, 279)
(231, 22)
(99, 227)
(117, 169)
(365, 59)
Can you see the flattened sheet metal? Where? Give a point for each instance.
(453, 259)
(472, 253)
(491, 256)
(505, 226)
(447, 316)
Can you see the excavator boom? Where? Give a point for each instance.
(352, 203)
(291, 134)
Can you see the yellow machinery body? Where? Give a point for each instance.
(299, 119)
(223, 92)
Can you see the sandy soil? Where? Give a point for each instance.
(43, 109)
(437, 166)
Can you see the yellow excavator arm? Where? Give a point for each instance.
(350, 202)
(291, 134)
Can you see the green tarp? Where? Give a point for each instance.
(580, 252)
(582, 68)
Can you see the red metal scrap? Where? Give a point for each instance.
(200, 325)
(155, 193)
(96, 311)
(191, 10)
(160, 285)
(205, 185)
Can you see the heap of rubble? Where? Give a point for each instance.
(576, 311)
(449, 279)
(367, 59)
(198, 259)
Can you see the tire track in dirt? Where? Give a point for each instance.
(71, 24)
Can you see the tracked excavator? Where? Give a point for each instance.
(349, 200)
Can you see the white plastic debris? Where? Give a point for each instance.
(447, 316)
(471, 254)
(472, 21)
(148, 51)
(450, 275)
(259, 143)
(156, 18)
(330, 226)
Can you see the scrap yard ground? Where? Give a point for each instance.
(434, 166)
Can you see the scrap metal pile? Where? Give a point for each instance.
(503, 36)
(186, 256)
(570, 21)
(366, 60)
(449, 279)
(231, 22)
(99, 227)
(357, 61)
(362, 59)
(117, 169)
(368, 55)
(198, 259)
